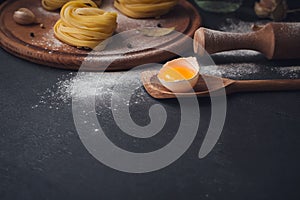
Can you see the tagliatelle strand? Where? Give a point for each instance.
(83, 24)
(144, 8)
(56, 4)
(53, 4)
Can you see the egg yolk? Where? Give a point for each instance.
(176, 73)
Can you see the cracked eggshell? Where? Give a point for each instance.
(182, 85)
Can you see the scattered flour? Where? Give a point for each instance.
(234, 71)
(83, 85)
(48, 41)
(292, 72)
(238, 53)
(238, 26)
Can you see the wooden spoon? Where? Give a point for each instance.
(158, 91)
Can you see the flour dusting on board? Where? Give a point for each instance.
(48, 41)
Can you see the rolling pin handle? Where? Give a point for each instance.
(261, 40)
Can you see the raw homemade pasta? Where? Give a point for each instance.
(144, 8)
(56, 4)
(83, 24)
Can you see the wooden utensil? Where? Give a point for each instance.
(274, 40)
(158, 91)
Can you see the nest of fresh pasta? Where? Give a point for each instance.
(144, 8)
(84, 24)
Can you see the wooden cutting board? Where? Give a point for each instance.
(135, 50)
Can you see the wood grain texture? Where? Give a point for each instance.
(274, 40)
(45, 49)
(215, 84)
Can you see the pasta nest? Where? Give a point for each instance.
(83, 24)
(56, 4)
(144, 8)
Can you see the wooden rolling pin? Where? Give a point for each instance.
(274, 40)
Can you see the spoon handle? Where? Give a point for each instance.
(264, 85)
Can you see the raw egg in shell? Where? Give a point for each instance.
(180, 75)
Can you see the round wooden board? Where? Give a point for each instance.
(45, 49)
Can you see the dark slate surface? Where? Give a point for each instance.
(42, 157)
